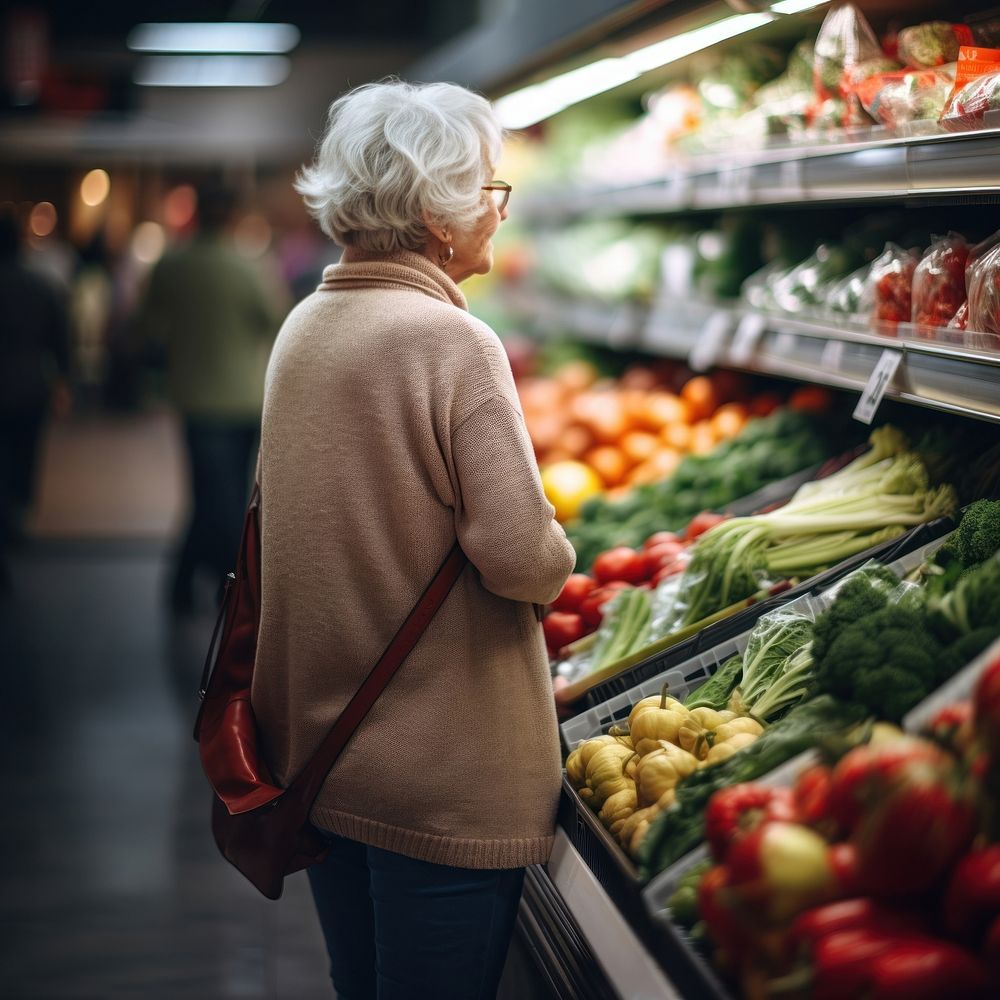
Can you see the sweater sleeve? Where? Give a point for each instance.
(504, 523)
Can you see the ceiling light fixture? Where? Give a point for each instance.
(235, 36)
(539, 101)
(212, 71)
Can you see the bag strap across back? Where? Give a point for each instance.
(307, 783)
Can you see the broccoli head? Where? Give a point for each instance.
(866, 590)
(966, 648)
(978, 533)
(973, 603)
(886, 660)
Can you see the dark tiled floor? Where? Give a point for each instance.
(111, 886)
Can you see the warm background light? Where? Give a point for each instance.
(148, 242)
(179, 206)
(95, 187)
(42, 219)
(252, 235)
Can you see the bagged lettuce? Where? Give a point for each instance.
(932, 43)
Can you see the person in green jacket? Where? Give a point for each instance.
(216, 323)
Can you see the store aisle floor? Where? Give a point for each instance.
(110, 886)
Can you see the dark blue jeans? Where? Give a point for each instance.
(401, 929)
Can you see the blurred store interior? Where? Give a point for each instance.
(111, 886)
(113, 118)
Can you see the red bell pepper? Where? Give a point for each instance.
(915, 829)
(738, 810)
(779, 870)
(714, 907)
(986, 709)
(863, 772)
(928, 970)
(859, 914)
(811, 793)
(972, 901)
(952, 728)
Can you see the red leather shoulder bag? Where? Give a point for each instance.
(261, 828)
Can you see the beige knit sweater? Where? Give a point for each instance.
(391, 424)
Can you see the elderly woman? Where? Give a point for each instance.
(391, 427)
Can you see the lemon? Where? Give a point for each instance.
(567, 485)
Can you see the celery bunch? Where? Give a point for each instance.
(873, 499)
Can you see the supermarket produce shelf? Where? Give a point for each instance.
(879, 166)
(613, 942)
(953, 377)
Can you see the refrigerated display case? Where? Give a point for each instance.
(587, 908)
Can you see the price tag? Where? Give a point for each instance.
(711, 343)
(879, 380)
(791, 179)
(832, 356)
(751, 328)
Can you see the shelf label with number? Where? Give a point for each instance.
(711, 342)
(751, 328)
(879, 380)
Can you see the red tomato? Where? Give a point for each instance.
(575, 589)
(662, 554)
(561, 628)
(670, 569)
(620, 563)
(700, 523)
(660, 536)
(592, 606)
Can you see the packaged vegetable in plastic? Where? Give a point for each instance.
(932, 43)
(845, 297)
(845, 39)
(976, 91)
(890, 282)
(896, 99)
(939, 281)
(984, 293)
(855, 112)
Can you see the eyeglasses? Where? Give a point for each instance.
(500, 192)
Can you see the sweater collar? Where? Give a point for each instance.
(398, 269)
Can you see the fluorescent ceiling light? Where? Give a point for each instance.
(212, 71)
(254, 36)
(796, 6)
(542, 100)
(672, 49)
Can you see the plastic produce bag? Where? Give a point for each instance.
(977, 89)
(939, 281)
(890, 284)
(845, 44)
(803, 287)
(897, 99)
(932, 43)
(845, 297)
(983, 280)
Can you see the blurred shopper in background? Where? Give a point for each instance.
(205, 305)
(391, 425)
(34, 359)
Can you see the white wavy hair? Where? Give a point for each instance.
(393, 151)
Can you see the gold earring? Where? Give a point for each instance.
(444, 257)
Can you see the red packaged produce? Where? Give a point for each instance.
(983, 279)
(938, 289)
(891, 284)
(977, 89)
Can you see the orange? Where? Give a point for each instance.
(639, 445)
(699, 394)
(609, 462)
(728, 420)
(677, 436)
(575, 440)
(702, 437)
(664, 408)
(576, 375)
